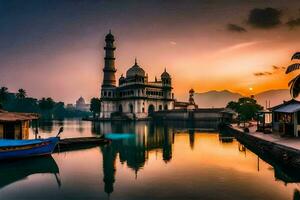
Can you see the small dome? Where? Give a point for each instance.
(122, 80)
(165, 74)
(80, 101)
(135, 70)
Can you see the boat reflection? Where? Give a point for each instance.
(14, 171)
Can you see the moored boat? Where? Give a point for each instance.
(15, 149)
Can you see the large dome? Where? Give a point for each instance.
(135, 70)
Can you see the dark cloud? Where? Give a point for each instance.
(236, 28)
(264, 18)
(263, 73)
(276, 69)
(293, 23)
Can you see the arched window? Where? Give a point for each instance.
(131, 108)
(160, 107)
(166, 107)
(120, 108)
(151, 110)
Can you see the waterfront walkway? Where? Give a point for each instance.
(271, 137)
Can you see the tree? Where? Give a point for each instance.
(24, 105)
(59, 110)
(21, 94)
(46, 105)
(95, 106)
(246, 108)
(3, 95)
(294, 83)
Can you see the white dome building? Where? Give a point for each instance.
(81, 105)
(135, 97)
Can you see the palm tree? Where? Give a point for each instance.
(294, 83)
(21, 94)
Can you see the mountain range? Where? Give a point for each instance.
(218, 99)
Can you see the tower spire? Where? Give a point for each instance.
(135, 61)
(109, 79)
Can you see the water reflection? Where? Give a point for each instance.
(149, 137)
(132, 151)
(46, 126)
(14, 171)
(163, 161)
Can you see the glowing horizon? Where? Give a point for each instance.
(65, 50)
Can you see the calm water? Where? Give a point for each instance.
(160, 162)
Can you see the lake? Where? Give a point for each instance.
(167, 161)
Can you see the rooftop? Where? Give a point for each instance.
(13, 117)
(287, 107)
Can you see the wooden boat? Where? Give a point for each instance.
(13, 149)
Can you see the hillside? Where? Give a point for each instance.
(221, 98)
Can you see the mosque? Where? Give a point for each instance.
(135, 97)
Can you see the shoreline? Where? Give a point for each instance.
(280, 155)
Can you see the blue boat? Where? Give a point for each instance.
(15, 149)
(13, 145)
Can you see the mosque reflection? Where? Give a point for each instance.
(133, 151)
(152, 137)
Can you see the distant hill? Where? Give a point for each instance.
(216, 99)
(274, 96)
(221, 98)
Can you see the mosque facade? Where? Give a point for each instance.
(135, 97)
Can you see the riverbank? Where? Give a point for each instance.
(285, 152)
(91, 119)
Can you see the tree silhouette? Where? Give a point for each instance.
(3, 95)
(246, 108)
(95, 106)
(46, 104)
(294, 84)
(21, 94)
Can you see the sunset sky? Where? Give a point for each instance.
(55, 48)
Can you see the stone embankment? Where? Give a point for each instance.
(284, 154)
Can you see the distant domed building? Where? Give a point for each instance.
(135, 97)
(81, 105)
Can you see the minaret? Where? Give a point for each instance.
(109, 78)
(108, 89)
